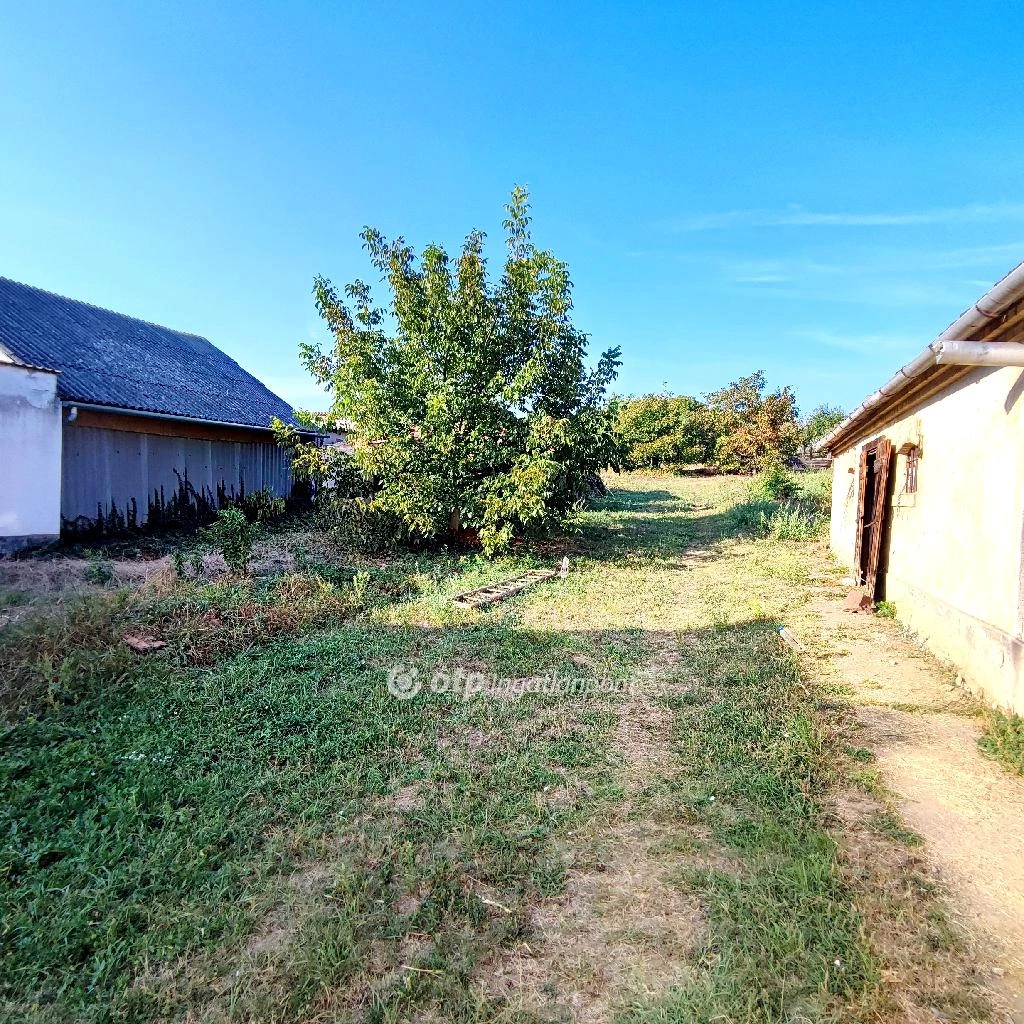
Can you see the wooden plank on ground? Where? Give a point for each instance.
(499, 591)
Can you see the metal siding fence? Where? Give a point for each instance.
(104, 467)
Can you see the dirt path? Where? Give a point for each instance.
(969, 810)
(621, 931)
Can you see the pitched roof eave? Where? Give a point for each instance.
(922, 370)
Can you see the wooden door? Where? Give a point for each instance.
(882, 468)
(872, 512)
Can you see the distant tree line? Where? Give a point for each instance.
(742, 428)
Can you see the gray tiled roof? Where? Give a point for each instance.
(111, 359)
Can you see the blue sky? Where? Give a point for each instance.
(811, 189)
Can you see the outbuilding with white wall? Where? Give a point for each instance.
(109, 422)
(928, 493)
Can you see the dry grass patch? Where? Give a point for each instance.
(622, 930)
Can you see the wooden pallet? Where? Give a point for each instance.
(506, 588)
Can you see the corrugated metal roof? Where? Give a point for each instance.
(110, 359)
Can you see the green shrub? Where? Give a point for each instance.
(360, 581)
(495, 425)
(262, 506)
(328, 470)
(665, 432)
(755, 428)
(774, 484)
(343, 478)
(885, 610)
(178, 563)
(359, 523)
(234, 536)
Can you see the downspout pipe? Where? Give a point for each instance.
(980, 353)
(986, 309)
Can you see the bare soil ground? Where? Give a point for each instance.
(27, 584)
(924, 730)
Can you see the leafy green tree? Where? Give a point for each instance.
(666, 432)
(756, 428)
(473, 406)
(820, 421)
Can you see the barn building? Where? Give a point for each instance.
(928, 493)
(109, 422)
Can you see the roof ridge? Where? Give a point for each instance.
(118, 360)
(104, 309)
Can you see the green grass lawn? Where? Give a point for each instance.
(248, 826)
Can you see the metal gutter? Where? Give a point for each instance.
(145, 414)
(986, 309)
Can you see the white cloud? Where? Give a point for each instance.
(798, 216)
(906, 276)
(762, 279)
(862, 344)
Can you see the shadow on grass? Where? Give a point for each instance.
(612, 536)
(624, 499)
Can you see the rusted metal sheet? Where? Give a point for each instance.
(123, 473)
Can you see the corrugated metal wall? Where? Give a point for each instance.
(104, 467)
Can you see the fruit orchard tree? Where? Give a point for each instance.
(818, 423)
(473, 404)
(666, 432)
(756, 429)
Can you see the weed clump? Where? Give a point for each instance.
(235, 536)
(1003, 739)
(780, 508)
(790, 520)
(774, 483)
(99, 571)
(77, 649)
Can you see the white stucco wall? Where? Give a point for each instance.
(956, 564)
(30, 449)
